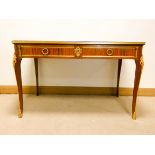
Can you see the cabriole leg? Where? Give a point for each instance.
(17, 67)
(139, 67)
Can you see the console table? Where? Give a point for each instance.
(78, 50)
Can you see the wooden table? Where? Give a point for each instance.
(78, 50)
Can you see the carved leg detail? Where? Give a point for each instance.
(36, 73)
(16, 63)
(118, 76)
(139, 67)
(14, 60)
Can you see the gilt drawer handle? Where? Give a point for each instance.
(78, 51)
(109, 52)
(45, 51)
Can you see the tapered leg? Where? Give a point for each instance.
(36, 72)
(118, 76)
(139, 67)
(17, 67)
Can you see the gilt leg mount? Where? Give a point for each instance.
(14, 60)
(141, 62)
(20, 114)
(134, 116)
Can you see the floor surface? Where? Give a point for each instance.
(76, 114)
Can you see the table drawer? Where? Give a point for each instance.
(47, 51)
(109, 52)
(75, 51)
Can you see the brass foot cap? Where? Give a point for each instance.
(134, 116)
(20, 115)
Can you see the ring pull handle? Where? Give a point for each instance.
(45, 51)
(109, 52)
(78, 51)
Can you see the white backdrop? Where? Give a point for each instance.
(58, 72)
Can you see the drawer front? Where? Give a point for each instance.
(75, 51)
(47, 51)
(109, 52)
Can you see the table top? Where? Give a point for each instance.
(77, 42)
